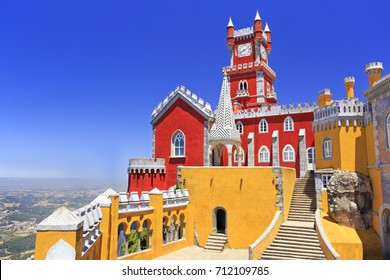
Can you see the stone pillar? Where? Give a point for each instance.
(229, 148)
(251, 149)
(206, 155)
(275, 148)
(260, 86)
(156, 202)
(302, 153)
(58, 234)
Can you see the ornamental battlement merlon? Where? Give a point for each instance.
(275, 110)
(147, 165)
(191, 98)
(250, 66)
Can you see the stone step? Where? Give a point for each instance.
(285, 251)
(296, 236)
(294, 246)
(283, 256)
(292, 242)
(298, 231)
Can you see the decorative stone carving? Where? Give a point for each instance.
(350, 199)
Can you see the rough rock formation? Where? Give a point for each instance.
(350, 199)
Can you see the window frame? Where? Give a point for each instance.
(241, 129)
(263, 121)
(327, 147)
(288, 124)
(387, 131)
(260, 153)
(182, 148)
(235, 158)
(292, 152)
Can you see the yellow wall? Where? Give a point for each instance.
(348, 146)
(247, 194)
(46, 239)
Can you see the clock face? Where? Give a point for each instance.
(263, 52)
(244, 50)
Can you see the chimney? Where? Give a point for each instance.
(373, 70)
(349, 82)
(324, 97)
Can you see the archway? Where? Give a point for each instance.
(386, 233)
(220, 220)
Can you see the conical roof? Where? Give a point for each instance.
(224, 128)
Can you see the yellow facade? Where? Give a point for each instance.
(247, 194)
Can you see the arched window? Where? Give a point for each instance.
(387, 129)
(327, 148)
(178, 144)
(242, 155)
(263, 126)
(263, 154)
(243, 86)
(288, 124)
(240, 127)
(288, 153)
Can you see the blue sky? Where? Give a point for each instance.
(79, 79)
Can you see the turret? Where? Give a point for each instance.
(230, 35)
(258, 27)
(349, 82)
(374, 70)
(324, 98)
(268, 33)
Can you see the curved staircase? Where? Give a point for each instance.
(297, 238)
(216, 242)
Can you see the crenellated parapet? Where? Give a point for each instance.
(250, 66)
(188, 96)
(352, 112)
(174, 198)
(146, 165)
(275, 110)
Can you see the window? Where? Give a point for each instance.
(288, 124)
(387, 131)
(177, 146)
(243, 86)
(241, 155)
(263, 126)
(288, 153)
(327, 148)
(263, 154)
(240, 127)
(325, 180)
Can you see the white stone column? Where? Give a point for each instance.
(251, 149)
(302, 153)
(275, 148)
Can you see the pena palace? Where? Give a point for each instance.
(185, 132)
(284, 182)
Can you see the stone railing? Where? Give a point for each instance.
(248, 31)
(91, 215)
(146, 165)
(257, 248)
(242, 93)
(188, 95)
(274, 110)
(134, 203)
(341, 108)
(174, 198)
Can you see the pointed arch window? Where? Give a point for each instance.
(263, 126)
(288, 124)
(387, 129)
(263, 154)
(242, 88)
(288, 153)
(178, 144)
(240, 127)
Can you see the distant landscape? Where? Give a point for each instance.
(25, 202)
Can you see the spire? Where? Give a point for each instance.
(230, 24)
(266, 29)
(224, 128)
(257, 17)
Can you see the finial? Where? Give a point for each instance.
(266, 29)
(257, 15)
(230, 24)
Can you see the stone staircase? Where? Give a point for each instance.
(216, 242)
(297, 238)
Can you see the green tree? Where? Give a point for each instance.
(132, 241)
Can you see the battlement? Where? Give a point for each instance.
(349, 79)
(275, 110)
(340, 108)
(247, 32)
(147, 165)
(374, 68)
(198, 102)
(249, 67)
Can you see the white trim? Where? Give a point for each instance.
(173, 145)
(240, 127)
(266, 126)
(259, 155)
(242, 155)
(288, 124)
(291, 152)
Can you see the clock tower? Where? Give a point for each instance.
(251, 78)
